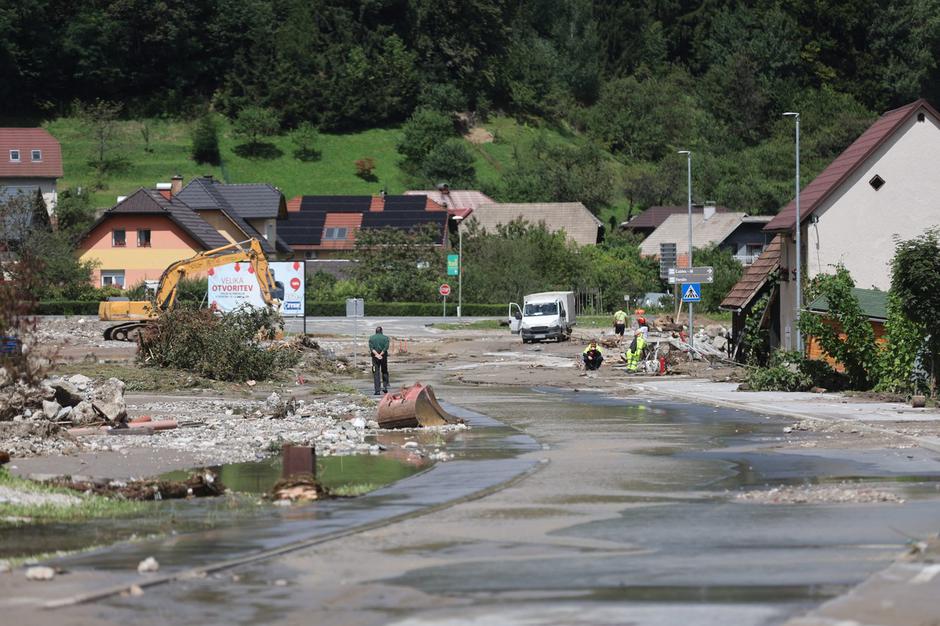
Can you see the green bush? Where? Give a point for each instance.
(405, 309)
(221, 347)
(205, 148)
(788, 371)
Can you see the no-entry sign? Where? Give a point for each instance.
(444, 289)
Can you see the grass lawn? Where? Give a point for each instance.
(334, 173)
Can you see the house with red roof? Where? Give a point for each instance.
(325, 227)
(30, 163)
(882, 187)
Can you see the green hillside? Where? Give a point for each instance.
(333, 173)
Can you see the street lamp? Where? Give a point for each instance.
(688, 155)
(799, 263)
(458, 219)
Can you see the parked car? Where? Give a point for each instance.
(547, 315)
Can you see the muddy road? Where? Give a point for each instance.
(641, 511)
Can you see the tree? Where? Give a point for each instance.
(74, 213)
(254, 123)
(551, 172)
(423, 131)
(305, 138)
(915, 281)
(100, 120)
(205, 138)
(450, 162)
(845, 334)
(398, 265)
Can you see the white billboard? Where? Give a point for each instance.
(235, 285)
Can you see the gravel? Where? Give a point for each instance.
(819, 494)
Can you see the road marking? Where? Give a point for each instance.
(926, 575)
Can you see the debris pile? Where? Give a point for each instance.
(202, 484)
(713, 340)
(74, 331)
(32, 417)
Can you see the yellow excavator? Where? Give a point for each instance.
(137, 314)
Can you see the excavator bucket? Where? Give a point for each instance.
(411, 407)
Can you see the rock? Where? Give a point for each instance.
(251, 383)
(80, 381)
(65, 393)
(720, 343)
(713, 330)
(358, 422)
(135, 591)
(40, 572)
(4, 457)
(918, 402)
(50, 409)
(84, 414)
(63, 413)
(788, 429)
(5, 378)
(109, 400)
(148, 565)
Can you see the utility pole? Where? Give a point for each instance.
(799, 227)
(688, 155)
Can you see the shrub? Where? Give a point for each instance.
(221, 347)
(206, 141)
(305, 138)
(365, 169)
(788, 371)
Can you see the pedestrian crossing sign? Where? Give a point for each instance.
(692, 292)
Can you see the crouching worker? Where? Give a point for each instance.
(635, 352)
(592, 356)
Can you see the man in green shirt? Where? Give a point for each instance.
(620, 324)
(378, 347)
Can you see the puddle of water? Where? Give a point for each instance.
(249, 480)
(257, 477)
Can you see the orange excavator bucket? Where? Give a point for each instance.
(411, 407)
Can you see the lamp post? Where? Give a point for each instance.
(688, 155)
(799, 227)
(458, 219)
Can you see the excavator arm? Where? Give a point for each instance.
(248, 251)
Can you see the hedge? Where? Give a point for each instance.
(405, 309)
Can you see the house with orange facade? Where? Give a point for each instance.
(145, 232)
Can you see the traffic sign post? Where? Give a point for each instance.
(444, 290)
(691, 292)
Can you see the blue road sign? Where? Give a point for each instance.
(691, 292)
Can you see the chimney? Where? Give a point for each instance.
(708, 210)
(176, 185)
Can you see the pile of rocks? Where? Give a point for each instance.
(72, 331)
(32, 417)
(714, 338)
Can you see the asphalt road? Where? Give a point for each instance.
(364, 326)
(635, 519)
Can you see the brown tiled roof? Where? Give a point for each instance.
(654, 216)
(26, 140)
(754, 278)
(152, 202)
(579, 224)
(845, 164)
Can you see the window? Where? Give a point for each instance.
(921, 117)
(36, 155)
(877, 182)
(112, 278)
(118, 238)
(541, 308)
(143, 237)
(334, 234)
(15, 156)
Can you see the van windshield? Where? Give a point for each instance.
(542, 308)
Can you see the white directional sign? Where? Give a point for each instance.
(703, 274)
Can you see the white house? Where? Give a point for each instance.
(30, 160)
(882, 187)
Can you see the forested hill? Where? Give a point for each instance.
(640, 79)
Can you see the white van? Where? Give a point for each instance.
(547, 315)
